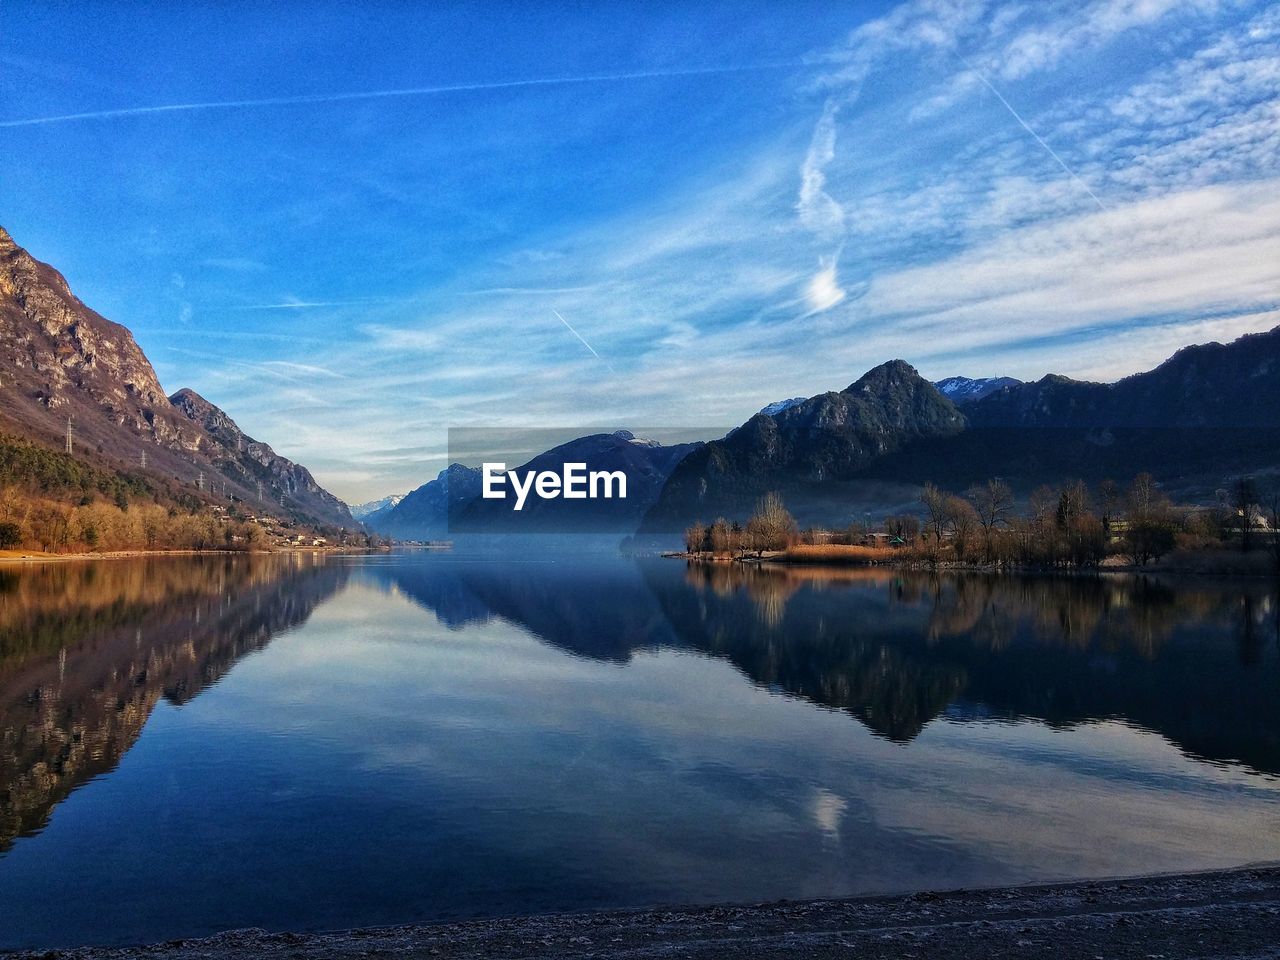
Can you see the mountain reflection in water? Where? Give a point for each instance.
(1195, 661)
(193, 744)
(88, 649)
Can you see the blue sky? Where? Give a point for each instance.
(356, 226)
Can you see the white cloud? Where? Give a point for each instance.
(1193, 252)
(818, 211)
(967, 248)
(824, 291)
(1085, 26)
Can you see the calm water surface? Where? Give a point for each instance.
(189, 745)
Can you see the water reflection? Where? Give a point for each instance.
(1185, 660)
(88, 649)
(486, 734)
(1195, 661)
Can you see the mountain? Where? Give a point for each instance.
(451, 503)
(61, 361)
(1235, 385)
(1207, 414)
(423, 514)
(646, 463)
(249, 462)
(779, 405)
(830, 437)
(362, 511)
(964, 390)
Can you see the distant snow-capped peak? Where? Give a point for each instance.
(969, 390)
(779, 405)
(362, 510)
(630, 437)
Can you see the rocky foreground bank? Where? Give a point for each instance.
(1227, 914)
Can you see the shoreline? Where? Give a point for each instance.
(778, 559)
(36, 556)
(1222, 913)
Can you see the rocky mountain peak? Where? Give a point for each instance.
(63, 362)
(887, 376)
(62, 353)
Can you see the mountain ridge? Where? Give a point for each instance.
(451, 502)
(827, 437)
(362, 511)
(423, 513)
(253, 461)
(1207, 413)
(66, 363)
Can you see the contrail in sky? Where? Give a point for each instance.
(1048, 149)
(583, 340)
(387, 94)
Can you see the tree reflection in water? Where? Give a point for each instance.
(1193, 661)
(88, 649)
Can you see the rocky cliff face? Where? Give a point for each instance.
(60, 361)
(249, 461)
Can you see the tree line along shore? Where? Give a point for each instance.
(1072, 527)
(54, 504)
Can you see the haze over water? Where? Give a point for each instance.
(194, 744)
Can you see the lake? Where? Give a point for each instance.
(309, 742)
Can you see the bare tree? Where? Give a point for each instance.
(695, 537)
(1273, 521)
(993, 502)
(934, 502)
(906, 526)
(1244, 499)
(771, 527)
(1109, 498)
(1149, 532)
(1041, 504)
(721, 541)
(1143, 494)
(963, 521)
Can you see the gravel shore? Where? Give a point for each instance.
(1222, 914)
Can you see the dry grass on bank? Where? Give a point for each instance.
(838, 553)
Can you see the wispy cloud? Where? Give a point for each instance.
(292, 303)
(1010, 217)
(818, 211)
(304, 368)
(824, 290)
(235, 264)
